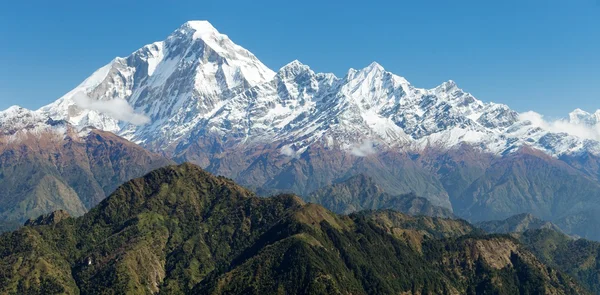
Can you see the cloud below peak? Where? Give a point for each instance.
(364, 149)
(117, 109)
(578, 129)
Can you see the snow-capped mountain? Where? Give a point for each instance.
(175, 83)
(198, 82)
(579, 116)
(19, 123)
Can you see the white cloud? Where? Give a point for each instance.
(288, 151)
(116, 108)
(578, 129)
(364, 149)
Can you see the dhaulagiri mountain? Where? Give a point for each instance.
(198, 89)
(46, 165)
(181, 230)
(199, 97)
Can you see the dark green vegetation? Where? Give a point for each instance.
(362, 193)
(41, 173)
(180, 230)
(579, 258)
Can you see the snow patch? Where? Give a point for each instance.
(156, 58)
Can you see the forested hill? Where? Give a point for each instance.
(181, 230)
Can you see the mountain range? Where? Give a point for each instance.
(198, 97)
(198, 84)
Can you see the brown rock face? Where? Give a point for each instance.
(49, 219)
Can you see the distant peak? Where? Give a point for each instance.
(14, 108)
(294, 64)
(579, 116)
(447, 86)
(294, 68)
(579, 111)
(374, 66)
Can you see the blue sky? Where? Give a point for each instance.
(541, 55)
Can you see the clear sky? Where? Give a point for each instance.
(541, 55)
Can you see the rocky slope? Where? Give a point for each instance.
(46, 165)
(533, 182)
(180, 230)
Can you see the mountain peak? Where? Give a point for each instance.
(294, 64)
(373, 70)
(373, 67)
(447, 86)
(15, 108)
(21, 114)
(517, 223)
(200, 27)
(13, 111)
(579, 116)
(293, 68)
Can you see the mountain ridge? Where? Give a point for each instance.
(517, 224)
(181, 230)
(361, 192)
